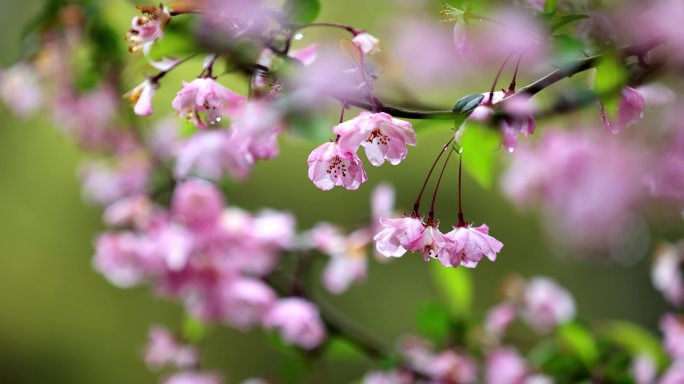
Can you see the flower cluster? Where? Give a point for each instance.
(383, 138)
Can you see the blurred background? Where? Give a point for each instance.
(61, 322)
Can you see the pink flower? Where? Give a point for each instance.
(298, 322)
(348, 259)
(20, 89)
(433, 244)
(306, 55)
(330, 165)
(461, 38)
(504, 365)
(451, 367)
(520, 118)
(382, 136)
(546, 304)
(256, 126)
(193, 377)
(389, 377)
(472, 243)
(105, 183)
(630, 110)
(246, 301)
(212, 154)
(666, 273)
(141, 97)
(125, 258)
(163, 348)
(396, 234)
(205, 95)
(382, 204)
(137, 211)
(500, 317)
(643, 369)
(674, 375)
(146, 29)
(672, 327)
(197, 203)
(368, 43)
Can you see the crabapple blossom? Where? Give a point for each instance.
(432, 243)
(473, 243)
(205, 95)
(141, 97)
(146, 29)
(246, 302)
(674, 374)
(297, 321)
(124, 258)
(504, 365)
(348, 255)
(643, 369)
(367, 43)
(197, 203)
(500, 317)
(20, 89)
(306, 55)
(546, 304)
(105, 183)
(163, 348)
(630, 110)
(666, 273)
(256, 126)
(330, 165)
(397, 234)
(137, 211)
(382, 136)
(672, 327)
(212, 154)
(194, 377)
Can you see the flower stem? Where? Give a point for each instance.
(431, 214)
(461, 221)
(416, 204)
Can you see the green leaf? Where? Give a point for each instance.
(567, 19)
(338, 348)
(567, 48)
(550, 6)
(480, 152)
(467, 103)
(434, 322)
(194, 331)
(610, 78)
(580, 341)
(303, 11)
(455, 285)
(635, 339)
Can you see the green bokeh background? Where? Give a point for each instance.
(60, 322)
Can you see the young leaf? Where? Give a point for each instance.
(480, 150)
(303, 11)
(434, 322)
(550, 6)
(580, 341)
(635, 339)
(194, 331)
(338, 348)
(610, 78)
(456, 288)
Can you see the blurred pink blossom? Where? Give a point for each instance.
(630, 110)
(546, 304)
(672, 327)
(163, 348)
(643, 369)
(500, 317)
(368, 43)
(194, 377)
(667, 274)
(504, 365)
(20, 89)
(246, 301)
(212, 154)
(197, 203)
(298, 322)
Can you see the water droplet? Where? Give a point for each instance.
(298, 36)
(510, 149)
